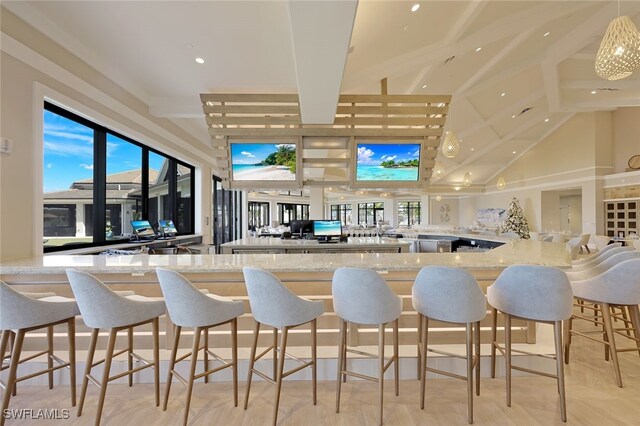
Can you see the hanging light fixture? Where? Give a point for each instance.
(466, 180)
(451, 144)
(501, 184)
(619, 53)
(438, 171)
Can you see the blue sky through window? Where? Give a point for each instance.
(68, 153)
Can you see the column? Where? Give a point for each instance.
(316, 203)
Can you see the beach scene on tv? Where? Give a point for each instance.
(378, 162)
(263, 161)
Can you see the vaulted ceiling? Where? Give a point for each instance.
(517, 69)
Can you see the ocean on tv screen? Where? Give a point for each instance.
(263, 161)
(388, 162)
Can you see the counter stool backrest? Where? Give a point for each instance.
(607, 251)
(573, 247)
(448, 294)
(618, 285)
(18, 311)
(362, 296)
(539, 293)
(100, 306)
(607, 264)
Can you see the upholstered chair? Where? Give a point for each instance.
(618, 286)
(584, 242)
(361, 296)
(535, 293)
(573, 248)
(601, 241)
(274, 305)
(451, 295)
(189, 307)
(21, 313)
(606, 251)
(102, 308)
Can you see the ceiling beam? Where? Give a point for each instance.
(320, 34)
(626, 84)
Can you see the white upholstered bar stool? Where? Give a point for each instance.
(600, 256)
(534, 293)
(574, 248)
(362, 296)
(618, 286)
(451, 295)
(21, 313)
(602, 242)
(101, 307)
(188, 307)
(274, 305)
(584, 243)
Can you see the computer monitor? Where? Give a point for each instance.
(167, 228)
(301, 227)
(143, 229)
(327, 229)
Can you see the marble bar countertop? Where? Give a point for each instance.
(512, 253)
(449, 235)
(302, 244)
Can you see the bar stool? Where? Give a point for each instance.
(22, 313)
(598, 257)
(619, 286)
(101, 307)
(272, 304)
(584, 243)
(451, 295)
(534, 293)
(188, 307)
(362, 296)
(574, 248)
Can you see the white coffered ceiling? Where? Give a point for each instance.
(540, 54)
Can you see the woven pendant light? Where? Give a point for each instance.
(501, 184)
(466, 180)
(619, 53)
(451, 145)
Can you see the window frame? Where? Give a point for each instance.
(341, 211)
(374, 207)
(99, 180)
(410, 207)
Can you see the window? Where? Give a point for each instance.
(288, 212)
(96, 181)
(408, 213)
(258, 214)
(341, 212)
(370, 213)
(227, 214)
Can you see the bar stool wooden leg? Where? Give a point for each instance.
(634, 314)
(470, 372)
(419, 357)
(396, 351)
(50, 355)
(172, 363)
(283, 348)
(626, 320)
(4, 344)
(606, 316)
(507, 350)
(381, 369)
(71, 335)
(234, 359)
(567, 325)
(423, 361)
(252, 361)
(14, 390)
(494, 333)
(344, 354)
(105, 375)
(314, 353)
(477, 355)
(275, 353)
(13, 369)
(129, 354)
(87, 368)
(192, 371)
(156, 358)
(341, 366)
(206, 354)
(557, 333)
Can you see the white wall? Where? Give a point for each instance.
(626, 137)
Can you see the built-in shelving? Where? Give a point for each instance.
(621, 217)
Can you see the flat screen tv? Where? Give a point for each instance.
(264, 162)
(327, 228)
(301, 227)
(143, 229)
(167, 228)
(387, 162)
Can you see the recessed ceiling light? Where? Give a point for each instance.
(406, 27)
(503, 94)
(547, 33)
(546, 120)
(513, 116)
(513, 152)
(200, 60)
(457, 188)
(415, 7)
(188, 45)
(593, 92)
(478, 49)
(472, 149)
(424, 86)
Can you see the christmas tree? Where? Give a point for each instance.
(516, 222)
